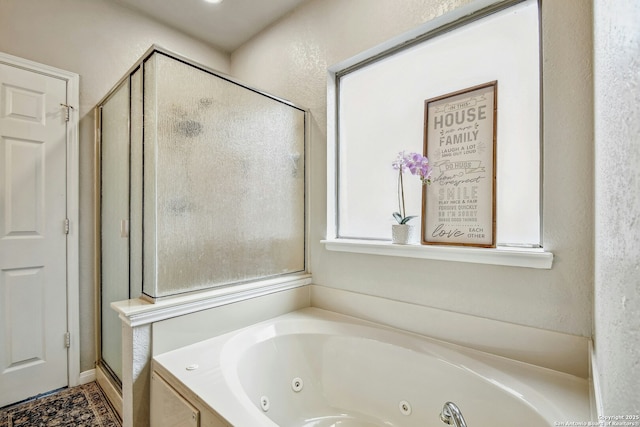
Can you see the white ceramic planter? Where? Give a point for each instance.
(404, 234)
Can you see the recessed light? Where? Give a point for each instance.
(214, 1)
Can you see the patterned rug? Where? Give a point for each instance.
(80, 406)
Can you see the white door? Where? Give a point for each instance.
(33, 239)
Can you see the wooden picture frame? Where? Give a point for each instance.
(459, 206)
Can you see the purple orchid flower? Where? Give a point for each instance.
(416, 164)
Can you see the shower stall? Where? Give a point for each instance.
(201, 185)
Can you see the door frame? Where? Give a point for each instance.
(73, 204)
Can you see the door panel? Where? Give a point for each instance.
(33, 281)
(24, 287)
(24, 174)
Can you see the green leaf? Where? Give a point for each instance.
(406, 219)
(398, 217)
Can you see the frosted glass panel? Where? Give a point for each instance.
(135, 173)
(224, 168)
(114, 210)
(381, 112)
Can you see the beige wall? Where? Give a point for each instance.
(100, 41)
(617, 249)
(291, 59)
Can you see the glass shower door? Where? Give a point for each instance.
(114, 207)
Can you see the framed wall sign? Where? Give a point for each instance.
(459, 207)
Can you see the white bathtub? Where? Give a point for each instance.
(317, 368)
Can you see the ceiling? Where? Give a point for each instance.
(226, 26)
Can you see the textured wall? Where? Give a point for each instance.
(291, 59)
(100, 41)
(617, 252)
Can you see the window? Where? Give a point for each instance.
(379, 111)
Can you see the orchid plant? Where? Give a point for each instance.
(416, 164)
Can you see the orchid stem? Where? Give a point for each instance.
(401, 194)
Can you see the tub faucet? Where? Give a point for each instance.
(452, 416)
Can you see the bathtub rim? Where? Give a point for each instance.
(255, 416)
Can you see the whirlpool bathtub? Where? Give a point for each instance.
(315, 368)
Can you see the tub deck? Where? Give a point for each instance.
(360, 374)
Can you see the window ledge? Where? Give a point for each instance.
(514, 257)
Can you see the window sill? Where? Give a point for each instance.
(514, 257)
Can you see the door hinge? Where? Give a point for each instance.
(67, 108)
(67, 225)
(67, 339)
